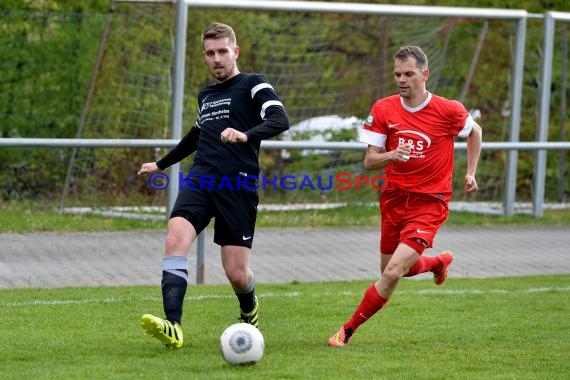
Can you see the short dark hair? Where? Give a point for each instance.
(416, 52)
(218, 30)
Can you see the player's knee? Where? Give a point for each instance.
(393, 273)
(176, 242)
(237, 277)
(236, 280)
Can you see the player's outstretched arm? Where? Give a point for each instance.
(147, 168)
(473, 152)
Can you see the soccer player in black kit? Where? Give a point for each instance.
(235, 113)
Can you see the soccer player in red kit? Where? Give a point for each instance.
(411, 136)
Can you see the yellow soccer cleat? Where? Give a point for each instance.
(169, 334)
(252, 316)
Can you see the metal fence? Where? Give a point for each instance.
(537, 146)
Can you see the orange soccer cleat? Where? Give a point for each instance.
(341, 338)
(446, 258)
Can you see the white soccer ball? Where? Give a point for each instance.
(242, 343)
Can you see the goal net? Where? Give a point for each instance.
(328, 68)
(130, 98)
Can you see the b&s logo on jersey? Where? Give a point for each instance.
(419, 142)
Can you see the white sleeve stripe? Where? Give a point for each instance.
(260, 86)
(467, 128)
(269, 104)
(372, 138)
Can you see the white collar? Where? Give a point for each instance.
(418, 108)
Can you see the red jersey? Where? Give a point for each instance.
(429, 129)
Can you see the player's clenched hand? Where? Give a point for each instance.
(232, 136)
(470, 184)
(401, 153)
(147, 168)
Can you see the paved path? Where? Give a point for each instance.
(280, 255)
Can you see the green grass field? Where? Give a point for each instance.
(505, 328)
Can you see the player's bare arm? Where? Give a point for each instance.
(473, 152)
(147, 168)
(378, 158)
(233, 136)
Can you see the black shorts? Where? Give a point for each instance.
(234, 213)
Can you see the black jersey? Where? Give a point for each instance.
(245, 102)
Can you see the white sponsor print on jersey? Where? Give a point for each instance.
(422, 135)
(216, 103)
(417, 145)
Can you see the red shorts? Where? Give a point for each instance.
(410, 218)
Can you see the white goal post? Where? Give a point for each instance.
(544, 111)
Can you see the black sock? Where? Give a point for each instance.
(246, 301)
(174, 283)
(246, 296)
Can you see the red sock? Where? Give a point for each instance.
(370, 304)
(424, 264)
